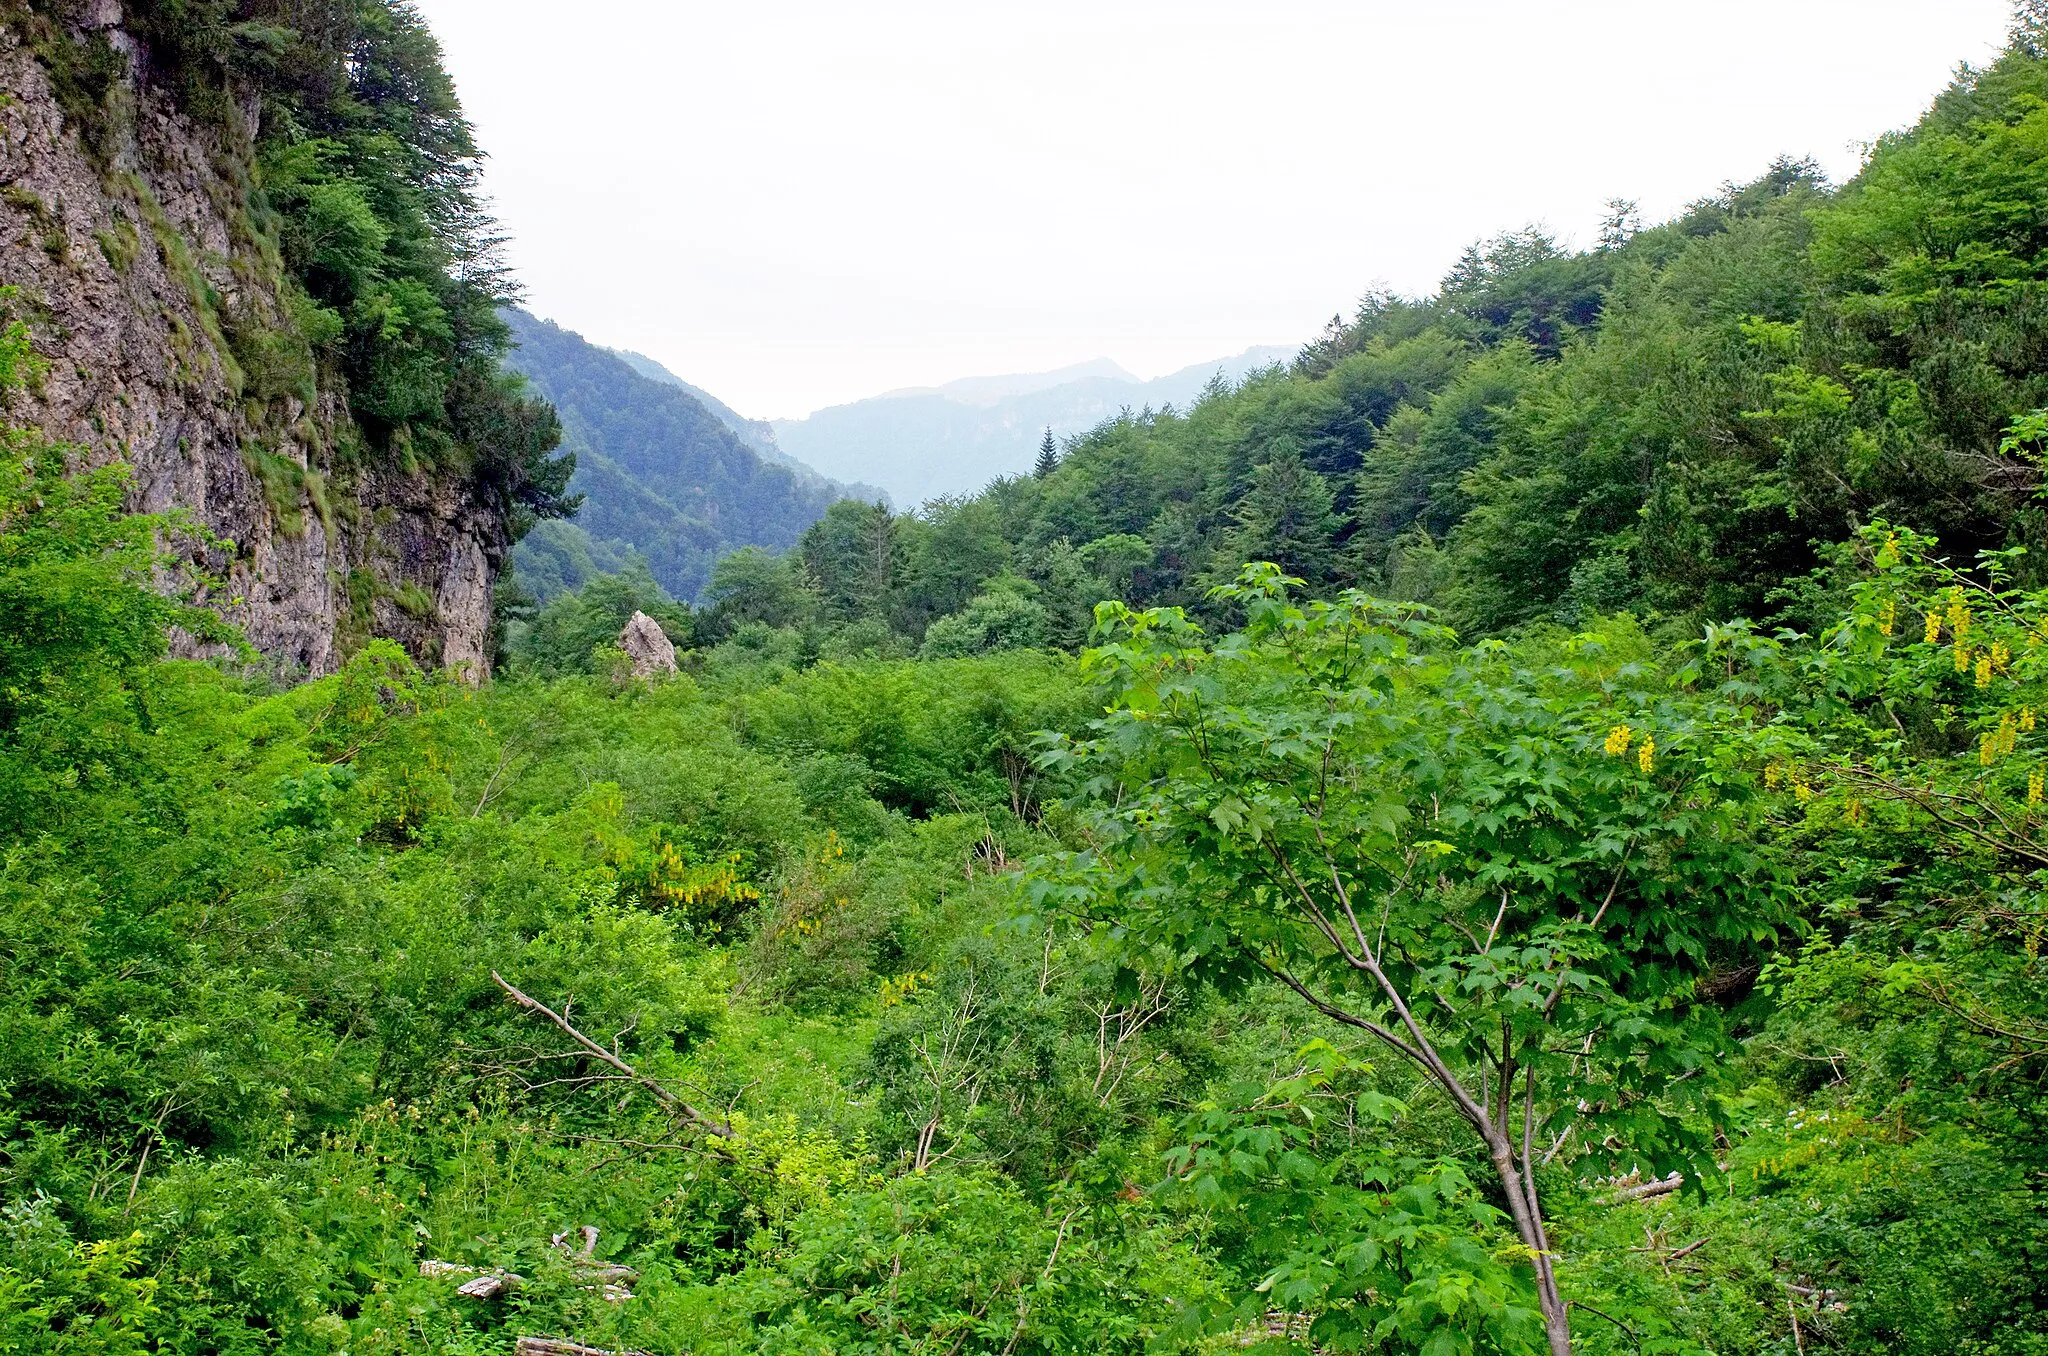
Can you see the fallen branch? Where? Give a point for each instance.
(607, 1279)
(668, 1100)
(555, 1346)
(482, 1285)
(1643, 1191)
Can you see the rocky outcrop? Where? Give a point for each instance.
(157, 301)
(647, 646)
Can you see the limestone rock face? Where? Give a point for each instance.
(150, 291)
(647, 646)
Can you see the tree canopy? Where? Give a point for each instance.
(1580, 890)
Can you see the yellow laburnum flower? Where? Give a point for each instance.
(1887, 619)
(2034, 787)
(1888, 554)
(1646, 755)
(1618, 740)
(1962, 658)
(1984, 669)
(1773, 774)
(1987, 748)
(2001, 656)
(2027, 718)
(1933, 629)
(1958, 615)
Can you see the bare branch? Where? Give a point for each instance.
(1347, 1018)
(668, 1099)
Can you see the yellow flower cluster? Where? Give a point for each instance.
(895, 990)
(2034, 780)
(809, 925)
(674, 881)
(1888, 554)
(1777, 773)
(1933, 629)
(1888, 619)
(1997, 659)
(1621, 737)
(1958, 616)
(1999, 743)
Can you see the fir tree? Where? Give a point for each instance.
(1048, 455)
(1287, 516)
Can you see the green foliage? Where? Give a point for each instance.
(966, 1263)
(1327, 980)
(1372, 1249)
(1048, 456)
(1512, 874)
(753, 585)
(258, 1068)
(1003, 616)
(59, 1295)
(566, 635)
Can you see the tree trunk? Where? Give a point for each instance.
(1528, 1217)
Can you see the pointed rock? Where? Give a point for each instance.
(647, 647)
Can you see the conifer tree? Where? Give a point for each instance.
(1048, 455)
(1288, 516)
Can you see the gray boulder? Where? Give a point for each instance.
(647, 647)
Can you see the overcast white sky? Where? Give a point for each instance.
(794, 204)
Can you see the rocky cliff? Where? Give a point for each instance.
(152, 277)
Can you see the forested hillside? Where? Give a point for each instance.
(1679, 422)
(1546, 856)
(662, 477)
(759, 434)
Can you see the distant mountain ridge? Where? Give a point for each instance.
(669, 474)
(758, 434)
(989, 390)
(922, 442)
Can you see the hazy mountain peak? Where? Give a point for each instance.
(953, 439)
(990, 390)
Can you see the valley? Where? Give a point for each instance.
(1512, 826)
